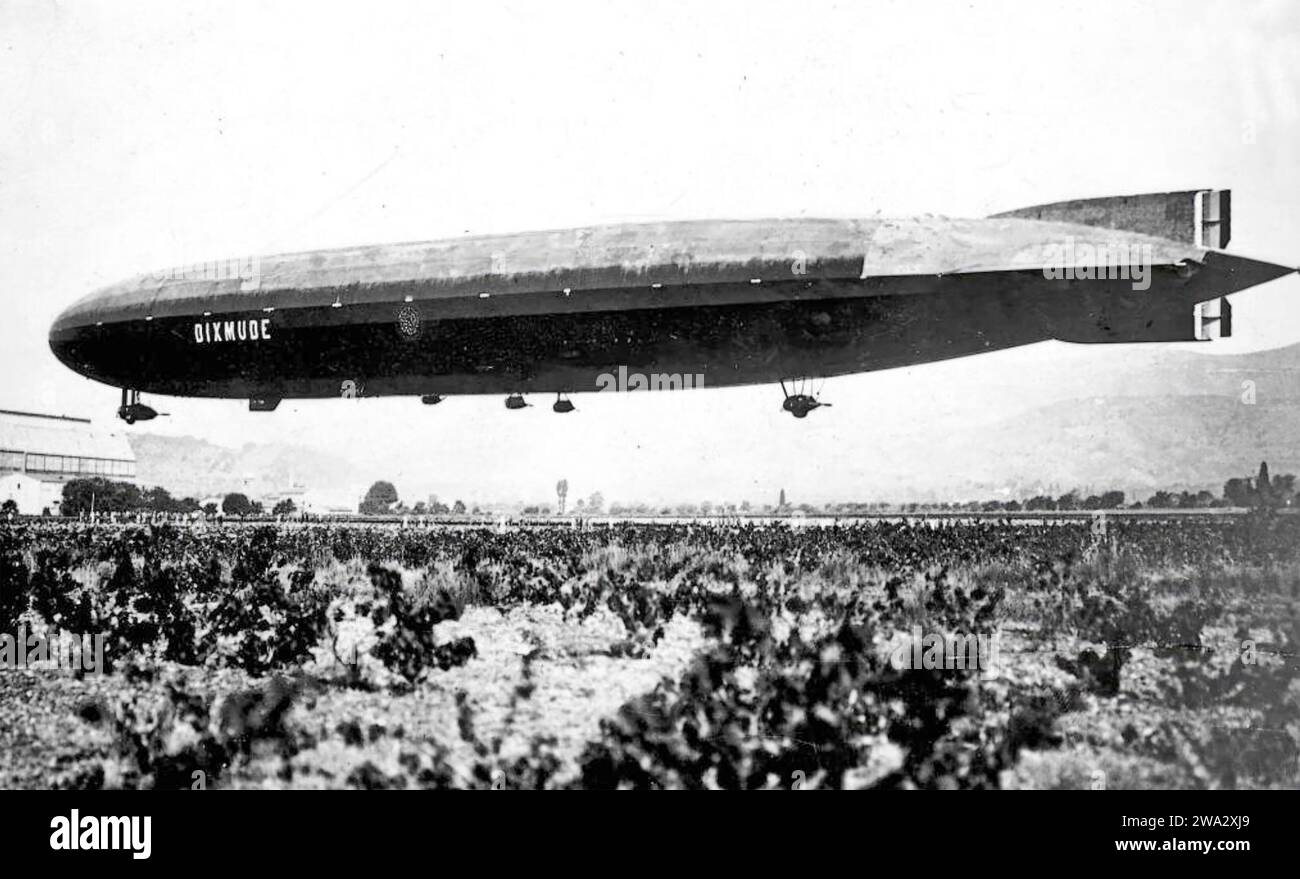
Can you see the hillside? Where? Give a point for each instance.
(1137, 444)
(187, 466)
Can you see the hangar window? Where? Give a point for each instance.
(11, 460)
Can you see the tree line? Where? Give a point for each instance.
(83, 496)
(99, 495)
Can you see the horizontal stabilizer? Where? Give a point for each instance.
(1200, 217)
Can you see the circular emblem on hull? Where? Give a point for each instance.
(408, 322)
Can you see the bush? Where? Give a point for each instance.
(267, 618)
(407, 644)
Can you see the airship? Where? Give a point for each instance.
(663, 306)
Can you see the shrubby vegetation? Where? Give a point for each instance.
(793, 687)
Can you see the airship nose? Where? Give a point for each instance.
(63, 333)
(80, 314)
(88, 336)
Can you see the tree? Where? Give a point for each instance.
(1284, 489)
(81, 495)
(210, 508)
(285, 507)
(595, 503)
(1111, 500)
(381, 498)
(1263, 486)
(236, 504)
(458, 508)
(159, 499)
(1162, 500)
(9, 508)
(1239, 492)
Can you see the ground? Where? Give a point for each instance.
(1148, 654)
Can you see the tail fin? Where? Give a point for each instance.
(1200, 217)
(1213, 319)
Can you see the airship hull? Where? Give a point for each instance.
(711, 304)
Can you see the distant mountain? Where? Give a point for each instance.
(1068, 372)
(1275, 374)
(1136, 444)
(190, 467)
(1181, 421)
(1138, 419)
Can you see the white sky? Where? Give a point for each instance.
(143, 135)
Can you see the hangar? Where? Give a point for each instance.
(40, 453)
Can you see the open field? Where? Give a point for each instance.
(1128, 653)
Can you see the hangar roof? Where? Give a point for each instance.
(61, 435)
